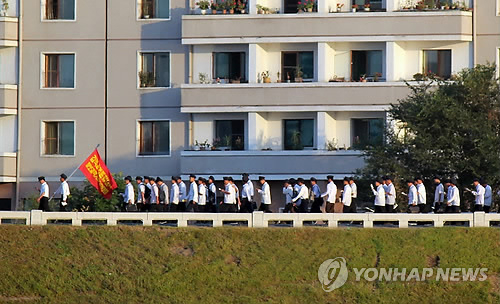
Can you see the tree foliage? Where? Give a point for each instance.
(447, 128)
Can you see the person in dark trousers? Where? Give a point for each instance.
(301, 201)
(317, 200)
(488, 194)
(354, 194)
(212, 195)
(330, 194)
(288, 193)
(147, 195)
(128, 195)
(63, 190)
(379, 193)
(438, 194)
(265, 192)
(347, 196)
(141, 193)
(246, 195)
(229, 203)
(43, 199)
(453, 197)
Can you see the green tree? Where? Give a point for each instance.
(447, 128)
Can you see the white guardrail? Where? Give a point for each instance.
(256, 219)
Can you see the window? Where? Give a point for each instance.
(230, 133)
(437, 62)
(230, 66)
(59, 138)
(154, 70)
(290, 7)
(154, 138)
(375, 5)
(59, 71)
(297, 66)
(299, 134)
(367, 132)
(59, 10)
(366, 65)
(154, 9)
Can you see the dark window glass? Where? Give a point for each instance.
(229, 65)
(154, 138)
(60, 71)
(155, 70)
(155, 9)
(299, 133)
(438, 62)
(366, 64)
(367, 132)
(231, 132)
(297, 65)
(59, 138)
(60, 9)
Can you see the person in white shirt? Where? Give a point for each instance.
(331, 194)
(488, 193)
(412, 195)
(379, 196)
(192, 198)
(43, 199)
(128, 195)
(301, 201)
(479, 195)
(153, 199)
(237, 200)
(390, 195)
(246, 195)
(453, 197)
(265, 193)
(347, 196)
(201, 205)
(212, 195)
(182, 194)
(174, 196)
(354, 191)
(163, 197)
(64, 191)
(147, 193)
(317, 200)
(421, 195)
(141, 190)
(438, 194)
(229, 203)
(288, 193)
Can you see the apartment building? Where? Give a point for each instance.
(151, 81)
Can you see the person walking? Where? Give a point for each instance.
(479, 196)
(212, 195)
(201, 205)
(265, 193)
(229, 203)
(174, 196)
(301, 201)
(315, 196)
(192, 197)
(390, 195)
(128, 195)
(288, 193)
(412, 195)
(153, 197)
(379, 196)
(421, 195)
(182, 194)
(331, 194)
(347, 196)
(163, 197)
(141, 193)
(246, 195)
(453, 197)
(43, 199)
(438, 194)
(488, 193)
(63, 190)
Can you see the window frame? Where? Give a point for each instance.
(42, 138)
(297, 54)
(244, 78)
(422, 67)
(43, 65)
(232, 134)
(283, 144)
(384, 60)
(138, 138)
(138, 6)
(139, 66)
(43, 10)
(352, 127)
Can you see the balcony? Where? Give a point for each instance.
(8, 31)
(276, 165)
(8, 99)
(452, 25)
(291, 97)
(7, 167)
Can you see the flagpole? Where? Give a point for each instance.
(72, 173)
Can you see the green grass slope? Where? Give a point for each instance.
(231, 265)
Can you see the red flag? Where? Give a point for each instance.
(98, 175)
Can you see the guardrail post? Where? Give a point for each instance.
(181, 222)
(258, 219)
(36, 218)
(298, 221)
(76, 222)
(367, 223)
(480, 219)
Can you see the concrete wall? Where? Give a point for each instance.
(9, 65)
(8, 130)
(488, 31)
(8, 30)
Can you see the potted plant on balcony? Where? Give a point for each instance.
(241, 7)
(203, 5)
(265, 77)
(223, 6)
(339, 7)
(214, 7)
(298, 74)
(146, 79)
(309, 5)
(377, 76)
(5, 7)
(362, 78)
(231, 5)
(145, 11)
(366, 7)
(202, 146)
(226, 143)
(354, 8)
(278, 79)
(332, 145)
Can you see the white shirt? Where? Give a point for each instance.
(153, 199)
(182, 191)
(347, 195)
(246, 192)
(193, 192)
(266, 194)
(453, 196)
(487, 195)
(303, 194)
(479, 194)
(202, 195)
(422, 194)
(390, 198)
(412, 195)
(44, 190)
(236, 192)
(354, 190)
(229, 198)
(141, 189)
(63, 190)
(213, 189)
(128, 196)
(331, 192)
(164, 189)
(379, 195)
(288, 192)
(251, 189)
(174, 194)
(439, 194)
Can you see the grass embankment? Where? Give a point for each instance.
(231, 265)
